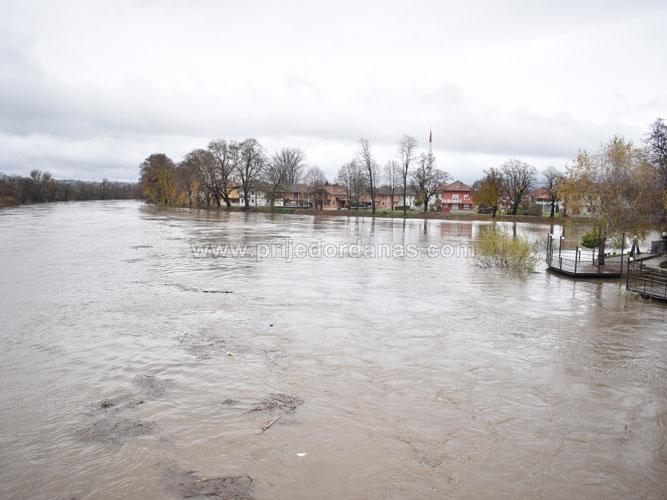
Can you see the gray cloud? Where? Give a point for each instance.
(89, 90)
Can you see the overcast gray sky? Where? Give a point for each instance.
(89, 89)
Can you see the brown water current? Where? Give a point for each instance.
(133, 367)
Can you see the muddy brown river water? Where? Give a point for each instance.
(127, 372)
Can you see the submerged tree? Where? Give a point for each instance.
(496, 248)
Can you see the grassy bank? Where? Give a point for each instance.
(388, 214)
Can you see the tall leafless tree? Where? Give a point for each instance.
(656, 145)
(225, 154)
(552, 177)
(251, 163)
(316, 181)
(291, 162)
(427, 178)
(187, 179)
(353, 179)
(370, 168)
(392, 174)
(518, 177)
(205, 163)
(407, 147)
(275, 176)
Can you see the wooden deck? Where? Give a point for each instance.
(583, 263)
(643, 276)
(647, 281)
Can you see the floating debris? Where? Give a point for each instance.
(269, 423)
(116, 404)
(189, 484)
(203, 346)
(151, 386)
(116, 430)
(186, 288)
(279, 403)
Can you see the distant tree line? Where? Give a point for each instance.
(40, 187)
(210, 176)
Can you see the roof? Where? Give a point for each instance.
(296, 188)
(540, 193)
(456, 186)
(335, 190)
(386, 190)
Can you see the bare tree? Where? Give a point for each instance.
(369, 166)
(392, 173)
(552, 177)
(275, 175)
(656, 145)
(518, 176)
(489, 190)
(316, 180)
(352, 178)
(225, 154)
(427, 178)
(406, 152)
(187, 179)
(251, 163)
(204, 162)
(290, 161)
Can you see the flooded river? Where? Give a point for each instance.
(128, 372)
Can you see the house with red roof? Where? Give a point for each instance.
(456, 197)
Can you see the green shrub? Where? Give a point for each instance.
(496, 248)
(591, 240)
(534, 209)
(663, 264)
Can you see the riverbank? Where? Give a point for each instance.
(415, 214)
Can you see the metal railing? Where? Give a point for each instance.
(580, 261)
(646, 280)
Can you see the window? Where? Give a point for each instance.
(466, 197)
(455, 197)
